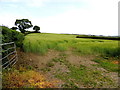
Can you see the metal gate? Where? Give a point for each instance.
(8, 54)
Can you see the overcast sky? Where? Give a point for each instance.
(98, 17)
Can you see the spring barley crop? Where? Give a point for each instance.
(41, 42)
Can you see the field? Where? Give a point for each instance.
(72, 62)
(40, 43)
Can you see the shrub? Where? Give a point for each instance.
(9, 35)
(17, 37)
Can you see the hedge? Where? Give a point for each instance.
(98, 37)
(9, 35)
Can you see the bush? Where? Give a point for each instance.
(18, 38)
(9, 35)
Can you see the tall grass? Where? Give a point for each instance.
(41, 42)
(108, 48)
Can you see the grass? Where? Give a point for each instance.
(81, 75)
(50, 64)
(78, 75)
(42, 42)
(107, 64)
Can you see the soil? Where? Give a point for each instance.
(39, 62)
(36, 60)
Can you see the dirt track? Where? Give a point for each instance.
(40, 62)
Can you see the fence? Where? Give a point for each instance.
(8, 54)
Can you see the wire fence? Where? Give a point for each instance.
(8, 54)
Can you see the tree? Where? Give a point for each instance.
(36, 28)
(14, 28)
(23, 24)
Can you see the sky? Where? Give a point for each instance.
(96, 17)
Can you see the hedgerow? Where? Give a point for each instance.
(9, 35)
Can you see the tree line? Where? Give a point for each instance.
(99, 37)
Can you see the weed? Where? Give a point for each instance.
(50, 64)
(46, 69)
(30, 67)
(61, 60)
(105, 63)
(28, 78)
(81, 75)
(56, 59)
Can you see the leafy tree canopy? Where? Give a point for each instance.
(14, 28)
(23, 24)
(36, 28)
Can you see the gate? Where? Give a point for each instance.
(8, 54)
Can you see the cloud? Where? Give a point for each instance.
(10, 0)
(40, 3)
(100, 18)
(9, 20)
(36, 3)
(33, 3)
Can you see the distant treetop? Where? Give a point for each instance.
(36, 28)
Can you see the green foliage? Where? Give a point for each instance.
(61, 47)
(9, 35)
(41, 42)
(23, 24)
(50, 64)
(46, 69)
(109, 65)
(36, 28)
(14, 28)
(6, 34)
(108, 48)
(18, 38)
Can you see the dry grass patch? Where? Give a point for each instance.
(24, 78)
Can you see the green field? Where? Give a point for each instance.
(41, 42)
(103, 51)
(74, 62)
